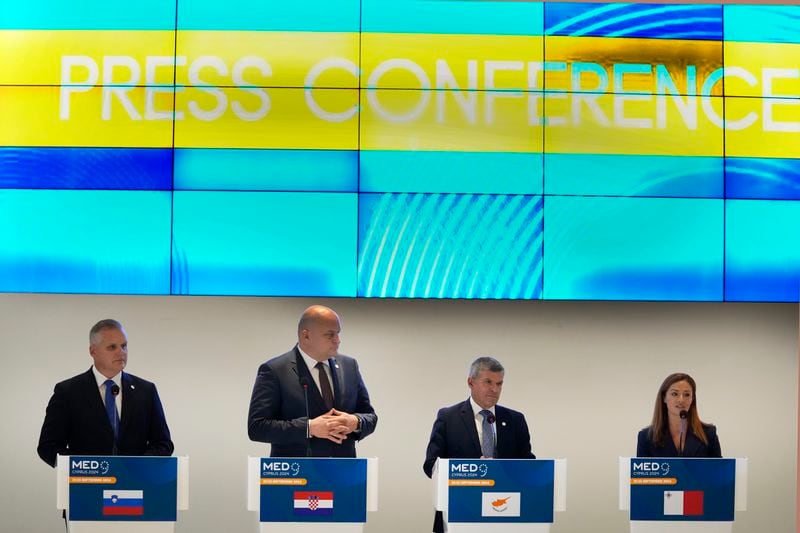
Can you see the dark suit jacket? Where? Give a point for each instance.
(693, 447)
(278, 413)
(76, 423)
(455, 436)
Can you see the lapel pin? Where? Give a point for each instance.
(502, 424)
(134, 386)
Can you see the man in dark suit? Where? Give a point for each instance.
(311, 401)
(105, 411)
(478, 428)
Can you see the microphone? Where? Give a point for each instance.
(491, 419)
(304, 383)
(115, 390)
(682, 439)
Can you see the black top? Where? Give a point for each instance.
(693, 447)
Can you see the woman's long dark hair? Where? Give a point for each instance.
(659, 427)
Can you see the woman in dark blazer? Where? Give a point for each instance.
(676, 429)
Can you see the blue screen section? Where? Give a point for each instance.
(266, 170)
(450, 246)
(762, 251)
(87, 15)
(274, 15)
(633, 249)
(85, 168)
(453, 16)
(762, 24)
(264, 243)
(634, 175)
(455, 172)
(769, 179)
(113, 242)
(655, 21)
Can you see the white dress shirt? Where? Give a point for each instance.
(101, 379)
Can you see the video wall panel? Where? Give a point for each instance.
(402, 148)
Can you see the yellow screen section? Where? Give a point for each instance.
(35, 57)
(476, 121)
(268, 59)
(267, 118)
(637, 124)
(605, 64)
(423, 61)
(768, 127)
(35, 116)
(762, 69)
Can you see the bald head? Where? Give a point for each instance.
(318, 332)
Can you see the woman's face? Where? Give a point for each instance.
(679, 397)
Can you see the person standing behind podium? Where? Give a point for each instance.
(105, 411)
(676, 429)
(311, 401)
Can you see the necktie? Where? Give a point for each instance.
(111, 409)
(487, 446)
(325, 386)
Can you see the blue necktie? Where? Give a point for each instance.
(487, 447)
(111, 409)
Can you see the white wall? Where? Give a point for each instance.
(585, 374)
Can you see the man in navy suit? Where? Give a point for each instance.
(478, 428)
(311, 401)
(80, 419)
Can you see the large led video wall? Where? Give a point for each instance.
(401, 148)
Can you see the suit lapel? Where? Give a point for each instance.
(129, 403)
(468, 418)
(692, 444)
(338, 383)
(96, 408)
(502, 426)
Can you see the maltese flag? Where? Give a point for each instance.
(683, 503)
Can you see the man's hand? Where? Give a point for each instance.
(331, 425)
(349, 421)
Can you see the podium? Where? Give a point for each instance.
(675, 494)
(308, 495)
(122, 494)
(499, 495)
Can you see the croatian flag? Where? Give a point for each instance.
(683, 503)
(123, 502)
(313, 503)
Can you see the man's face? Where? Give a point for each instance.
(486, 388)
(109, 349)
(321, 339)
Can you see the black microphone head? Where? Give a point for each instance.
(114, 389)
(304, 382)
(683, 414)
(491, 419)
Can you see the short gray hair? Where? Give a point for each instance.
(106, 323)
(485, 363)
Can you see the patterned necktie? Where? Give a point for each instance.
(325, 386)
(111, 408)
(487, 446)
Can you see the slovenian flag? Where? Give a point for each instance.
(123, 502)
(683, 503)
(313, 503)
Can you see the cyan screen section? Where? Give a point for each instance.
(633, 175)
(264, 243)
(85, 168)
(452, 16)
(266, 170)
(762, 24)
(633, 249)
(88, 15)
(97, 242)
(451, 172)
(450, 246)
(762, 251)
(762, 178)
(653, 21)
(309, 15)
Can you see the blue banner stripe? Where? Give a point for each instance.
(664, 21)
(756, 178)
(764, 24)
(266, 170)
(85, 168)
(453, 172)
(453, 17)
(87, 15)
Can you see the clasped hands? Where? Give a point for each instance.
(333, 425)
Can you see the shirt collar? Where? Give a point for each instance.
(476, 409)
(310, 361)
(101, 379)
